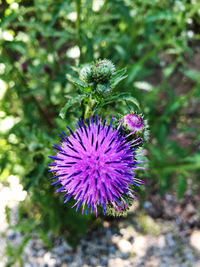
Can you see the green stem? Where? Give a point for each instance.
(87, 112)
(89, 107)
(178, 166)
(78, 26)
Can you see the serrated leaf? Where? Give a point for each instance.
(118, 77)
(118, 80)
(79, 83)
(71, 102)
(119, 73)
(123, 97)
(115, 98)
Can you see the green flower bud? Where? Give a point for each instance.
(86, 74)
(102, 71)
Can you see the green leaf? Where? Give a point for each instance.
(71, 102)
(174, 106)
(79, 83)
(116, 98)
(118, 77)
(192, 74)
(118, 80)
(16, 46)
(181, 187)
(33, 177)
(123, 97)
(119, 73)
(170, 69)
(7, 212)
(44, 238)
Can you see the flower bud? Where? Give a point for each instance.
(102, 71)
(86, 74)
(133, 122)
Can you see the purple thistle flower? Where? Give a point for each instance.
(95, 165)
(24, 67)
(47, 69)
(133, 122)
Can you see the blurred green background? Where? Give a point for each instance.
(158, 42)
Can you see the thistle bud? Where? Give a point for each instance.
(133, 122)
(86, 74)
(102, 71)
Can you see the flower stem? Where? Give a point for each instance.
(78, 27)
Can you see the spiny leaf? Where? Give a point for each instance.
(123, 97)
(70, 102)
(79, 83)
(118, 74)
(118, 80)
(118, 77)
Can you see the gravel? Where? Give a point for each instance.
(120, 243)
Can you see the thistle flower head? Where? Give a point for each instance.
(133, 122)
(95, 165)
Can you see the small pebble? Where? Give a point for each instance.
(195, 239)
(124, 246)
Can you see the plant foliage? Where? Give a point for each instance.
(40, 41)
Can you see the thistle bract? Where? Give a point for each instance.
(95, 165)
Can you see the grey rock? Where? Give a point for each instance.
(147, 205)
(28, 264)
(125, 255)
(40, 252)
(93, 261)
(170, 240)
(68, 258)
(59, 250)
(189, 257)
(111, 249)
(11, 234)
(104, 262)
